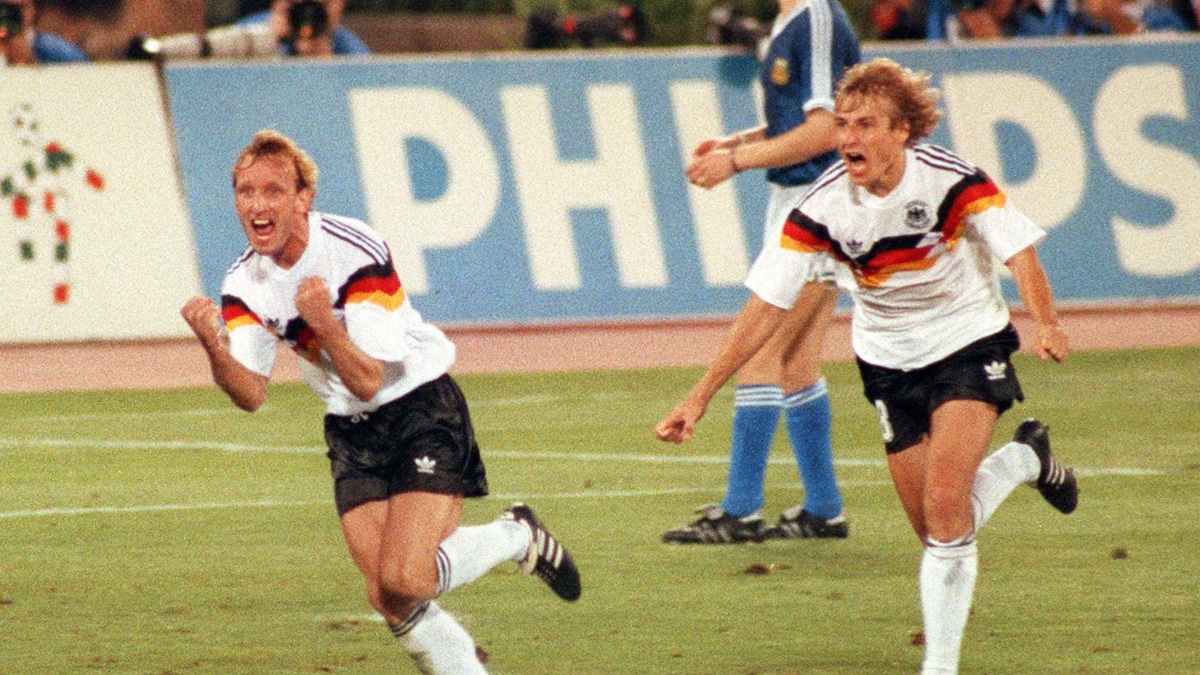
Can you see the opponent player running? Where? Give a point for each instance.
(401, 444)
(918, 227)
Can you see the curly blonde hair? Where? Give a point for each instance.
(913, 99)
(269, 142)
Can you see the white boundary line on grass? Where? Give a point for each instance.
(84, 417)
(150, 508)
(585, 494)
(92, 443)
(207, 412)
(95, 443)
(501, 454)
(269, 503)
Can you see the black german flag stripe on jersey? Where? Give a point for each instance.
(302, 339)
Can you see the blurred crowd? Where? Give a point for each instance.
(66, 31)
(955, 20)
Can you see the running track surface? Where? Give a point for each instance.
(553, 347)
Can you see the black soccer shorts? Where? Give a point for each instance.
(421, 442)
(905, 400)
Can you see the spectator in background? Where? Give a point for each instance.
(22, 44)
(1190, 11)
(310, 28)
(990, 19)
(898, 19)
(1126, 17)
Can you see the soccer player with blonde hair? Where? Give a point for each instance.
(918, 227)
(402, 448)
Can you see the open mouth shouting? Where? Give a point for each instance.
(856, 164)
(261, 231)
(262, 228)
(273, 208)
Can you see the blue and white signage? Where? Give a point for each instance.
(550, 188)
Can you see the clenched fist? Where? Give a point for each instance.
(204, 318)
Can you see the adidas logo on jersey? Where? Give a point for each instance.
(996, 370)
(425, 464)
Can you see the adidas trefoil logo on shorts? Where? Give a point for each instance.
(425, 465)
(995, 370)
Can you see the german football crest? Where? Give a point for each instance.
(917, 215)
(780, 72)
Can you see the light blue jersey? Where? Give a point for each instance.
(803, 60)
(53, 48)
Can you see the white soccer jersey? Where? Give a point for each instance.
(922, 256)
(258, 304)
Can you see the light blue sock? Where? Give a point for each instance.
(755, 416)
(809, 420)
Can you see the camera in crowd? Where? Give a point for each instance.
(231, 42)
(727, 25)
(547, 29)
(306, 19)
(11, 21)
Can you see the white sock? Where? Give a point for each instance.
(948, 571)
(437, 644)
(469, 552)
(999, 474)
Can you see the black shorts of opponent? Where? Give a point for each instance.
(905, 400)
(421, 442)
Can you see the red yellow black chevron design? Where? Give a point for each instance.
(974, 194)
(236, 314)
(377, 284)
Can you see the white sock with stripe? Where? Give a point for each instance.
(437, 643)
(999, 474)
(469, 552)
(948, 571)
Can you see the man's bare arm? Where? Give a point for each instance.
(753, 326)
(1038, 299)
(361, 373)
(246, 388)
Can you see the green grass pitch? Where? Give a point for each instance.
(167, 532)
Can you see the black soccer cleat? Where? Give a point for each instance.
(546, 558)
(717, 527)
(1055, 481)
(796, 523)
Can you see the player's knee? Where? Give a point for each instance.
(403, 588)
(393, 608)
